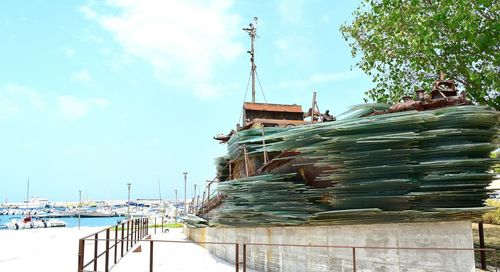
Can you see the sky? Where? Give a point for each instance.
(96, 94)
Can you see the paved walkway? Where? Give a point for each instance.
(177, 257)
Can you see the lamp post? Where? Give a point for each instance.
(128, 202)
(185, 195)
(79, 206)
(194, 198)
(175, 196)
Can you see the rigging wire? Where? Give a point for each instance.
(245, 98)
(261, 90)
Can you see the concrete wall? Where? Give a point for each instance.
(456, 234)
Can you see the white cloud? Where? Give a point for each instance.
(15, 98)
(88, 12)
(208, 91)
(183, 40)
(7, 106)
(320, 79)
(72, 107)
(101, 102)
(20, 92)
(82, 76)
(69, 52)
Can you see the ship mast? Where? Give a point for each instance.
(252, 32)
(28, 194)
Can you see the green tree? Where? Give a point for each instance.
(405, 44)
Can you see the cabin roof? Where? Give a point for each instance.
(272, 107)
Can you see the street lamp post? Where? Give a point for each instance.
(79, 206)
(194, 198)
(128, 202)
(185, 195)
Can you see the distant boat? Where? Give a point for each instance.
(28, 223)
(29, 203)
(33, 203)
(98, 214)
(36, 203)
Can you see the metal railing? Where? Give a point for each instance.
(353, 249)
(137, 229)
(132, 231)
(152, 241)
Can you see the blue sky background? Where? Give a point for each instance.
(95, 94)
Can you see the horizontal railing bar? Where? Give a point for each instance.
(99, 255)
(139, 225)
(93, 239)
(91, 261)
(299, 245)
(112, 227)
(172, 241)
(371, 247)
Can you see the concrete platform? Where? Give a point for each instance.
(456, 234)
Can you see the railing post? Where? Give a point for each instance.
(155, 224)
(237, 257)
(128, 224)
(122, 241)
(106, 255)
(116, 242)
(81, 254)
(150, 256)
(481, 245)
(96, 236)
(244, 257)
(147, 226)
(131, 233)
(162, 222)
(136, 230)
(354, 259)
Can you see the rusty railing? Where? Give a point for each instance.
(353, 249)
(132, 231)
(152, 241)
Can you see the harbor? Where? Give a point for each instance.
(90, 215)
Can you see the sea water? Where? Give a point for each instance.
(73, 221)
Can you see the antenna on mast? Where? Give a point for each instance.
(252, 32)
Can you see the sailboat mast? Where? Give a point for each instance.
(28, 194)
(252, 32)
(159, 190)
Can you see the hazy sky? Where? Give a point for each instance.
(95, 94)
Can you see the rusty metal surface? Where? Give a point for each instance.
(443, 94)
(272, 107)
(140, 229)
(353, 248)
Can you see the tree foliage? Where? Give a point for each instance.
(405, 44)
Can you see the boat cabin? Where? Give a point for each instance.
(272, 115)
